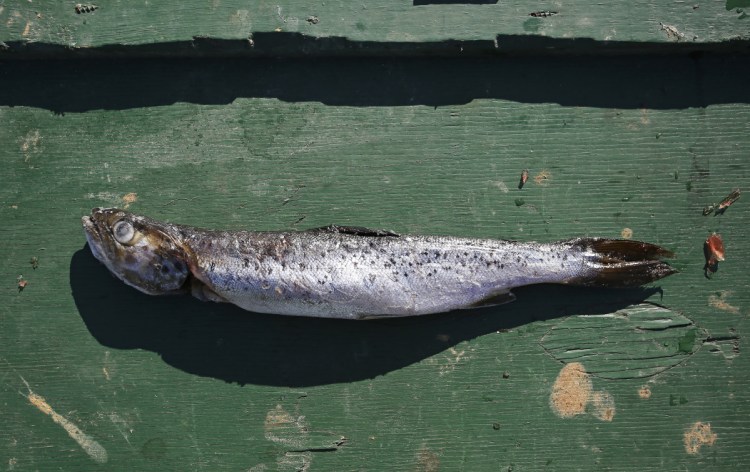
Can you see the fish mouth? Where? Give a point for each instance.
(93, 232)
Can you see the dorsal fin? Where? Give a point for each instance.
(355, 231)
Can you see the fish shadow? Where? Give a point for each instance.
(224, 342)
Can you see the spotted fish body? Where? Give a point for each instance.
(355, 273)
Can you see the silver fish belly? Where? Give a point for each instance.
(355, 273)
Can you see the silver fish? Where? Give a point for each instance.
(352, 272)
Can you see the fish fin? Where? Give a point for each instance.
(499, 298)
(622, 263)
(355, 231)
(201, 291)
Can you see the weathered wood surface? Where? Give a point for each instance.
(95, 376)
(386, 26)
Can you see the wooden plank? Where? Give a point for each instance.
(97, 376)
(172, 383)
(383, 25)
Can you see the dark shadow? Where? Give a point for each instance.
(224, 342)
(626, 82)
(454, 2)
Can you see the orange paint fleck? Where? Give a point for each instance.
(543, 177)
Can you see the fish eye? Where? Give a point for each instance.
(123, 231)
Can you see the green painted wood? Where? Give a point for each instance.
(95, 376)
(505, 26)
(638, 341)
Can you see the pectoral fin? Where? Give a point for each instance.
(201, 291)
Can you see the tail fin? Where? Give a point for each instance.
(622, 263)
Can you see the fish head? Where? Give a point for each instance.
(142, 252)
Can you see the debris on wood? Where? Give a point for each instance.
(713, 250)
(524, 178)
(673, 34)
(727, 201)
(721, 207)
(542, 13)
(34, 262)
(85, 8)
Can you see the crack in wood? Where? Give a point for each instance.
(636, 342)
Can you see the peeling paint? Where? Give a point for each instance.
(641, 340)
(673, 34)
(604, 405)
(573, 395)
(697, 436)
(571, 391)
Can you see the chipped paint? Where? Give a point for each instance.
(293, 432)
(571, 391)
(129, 198)
(626, 233)
(283, 428)
(641, 340)
(500, 185)
(719, 301)
(95, 450)
(29, 144)
(294, 461)
(573, 395)
(673, 34)
(698, 435)
(603, 405)
(108, 368)
(645, 120)
(450, 360)
(427, 461)
(728, 347)
(644, 392)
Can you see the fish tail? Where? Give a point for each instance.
(621, 263)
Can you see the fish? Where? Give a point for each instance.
(351, 272)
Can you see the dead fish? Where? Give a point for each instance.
(353, 272)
